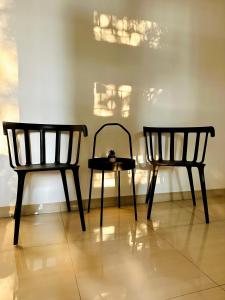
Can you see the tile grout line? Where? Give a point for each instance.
(164, 238)
(75, 277)
(211, 288)
(48, 244)
(178, 251)
(31, 247)
(200, 212)
(12, 247)
(195, 208)
(192, 262)
(195, 211)
(216, 285)
(60, 217)
(221, 287)
(185, 225)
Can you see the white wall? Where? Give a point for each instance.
(167, 69)
(9, 109)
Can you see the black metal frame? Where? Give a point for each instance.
(130, 163)
(23, 169)
(148, 133)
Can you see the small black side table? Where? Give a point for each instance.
(104, 164)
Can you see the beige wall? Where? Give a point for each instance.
(137, 62)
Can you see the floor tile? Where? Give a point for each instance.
(210, 294)
(204, 244)
(40, 261)
(8, 275)
(6, 233)
(216, 207)
(37, 273)
(135, 269)
(35, 230)
(60, 286)
(118, 223)
(45, 229)
(173, 256)
(169, 214)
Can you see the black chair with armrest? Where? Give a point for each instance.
(156, 158)
(20, 133)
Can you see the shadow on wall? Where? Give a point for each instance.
(8, 98)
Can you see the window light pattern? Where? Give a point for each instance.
(152, 94)
(131, 32)
(110, 99)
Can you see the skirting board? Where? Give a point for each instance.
(31, 209)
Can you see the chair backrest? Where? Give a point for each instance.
(198, 135)
(112, 124)
(19, 139)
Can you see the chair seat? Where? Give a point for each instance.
(177, 163)
(45, 167)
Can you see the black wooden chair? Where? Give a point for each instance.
(19, 136)
(156, 156)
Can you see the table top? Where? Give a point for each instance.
(103, 164)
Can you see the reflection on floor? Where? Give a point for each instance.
(175, 256)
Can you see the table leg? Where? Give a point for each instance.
(119, 189)
(102, 195)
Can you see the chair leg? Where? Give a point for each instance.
(134, 195)
(21, 179)
(152, 191)
(90, 190)
(63, 175)
(102, 195)
(204, 195)
(119, 189)
(189, 170)
(79, 198)
(149, 189)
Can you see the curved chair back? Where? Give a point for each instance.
(112, 124)
(24, 130)
(155, 151)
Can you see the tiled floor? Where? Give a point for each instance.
(174, 256)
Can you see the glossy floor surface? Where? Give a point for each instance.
(174, 256)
